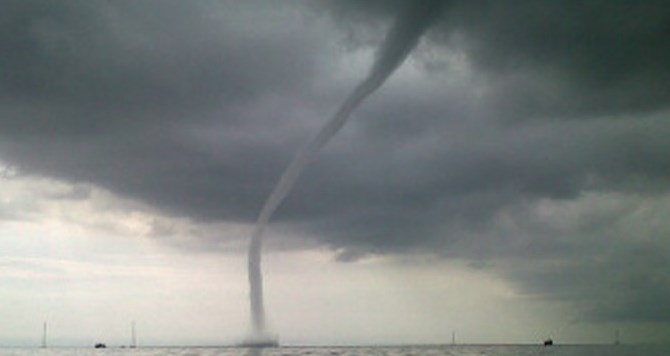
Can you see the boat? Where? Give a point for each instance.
(548, 342)
(100, 345)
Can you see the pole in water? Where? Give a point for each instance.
(133, 337)
(616, 337)
(44, 335)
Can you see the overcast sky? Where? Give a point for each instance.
(510, 181)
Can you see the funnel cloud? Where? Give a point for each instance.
(400, 40)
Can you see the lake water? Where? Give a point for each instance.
(449, 350)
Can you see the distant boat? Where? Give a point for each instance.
(548, 342)
(100, 345)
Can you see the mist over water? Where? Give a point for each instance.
(464, 350)
(401, 38)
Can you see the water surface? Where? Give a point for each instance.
(448, 350)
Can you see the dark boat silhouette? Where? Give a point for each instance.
(100, 345)
(548, 342)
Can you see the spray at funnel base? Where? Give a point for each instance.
(399, 42)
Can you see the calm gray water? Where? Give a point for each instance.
(458, 350)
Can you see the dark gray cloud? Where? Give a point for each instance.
(147, 56)
(617, 267)
(121, 94)
(195, 108)
(551, 58)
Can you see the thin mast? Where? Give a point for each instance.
(616, 337)
(133, 336)
(44, 335)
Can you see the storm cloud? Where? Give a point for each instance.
(527, 136)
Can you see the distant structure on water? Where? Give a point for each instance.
(548, 342)
(44, 335)
(133, 336)
(100, 345)
(616, 337)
